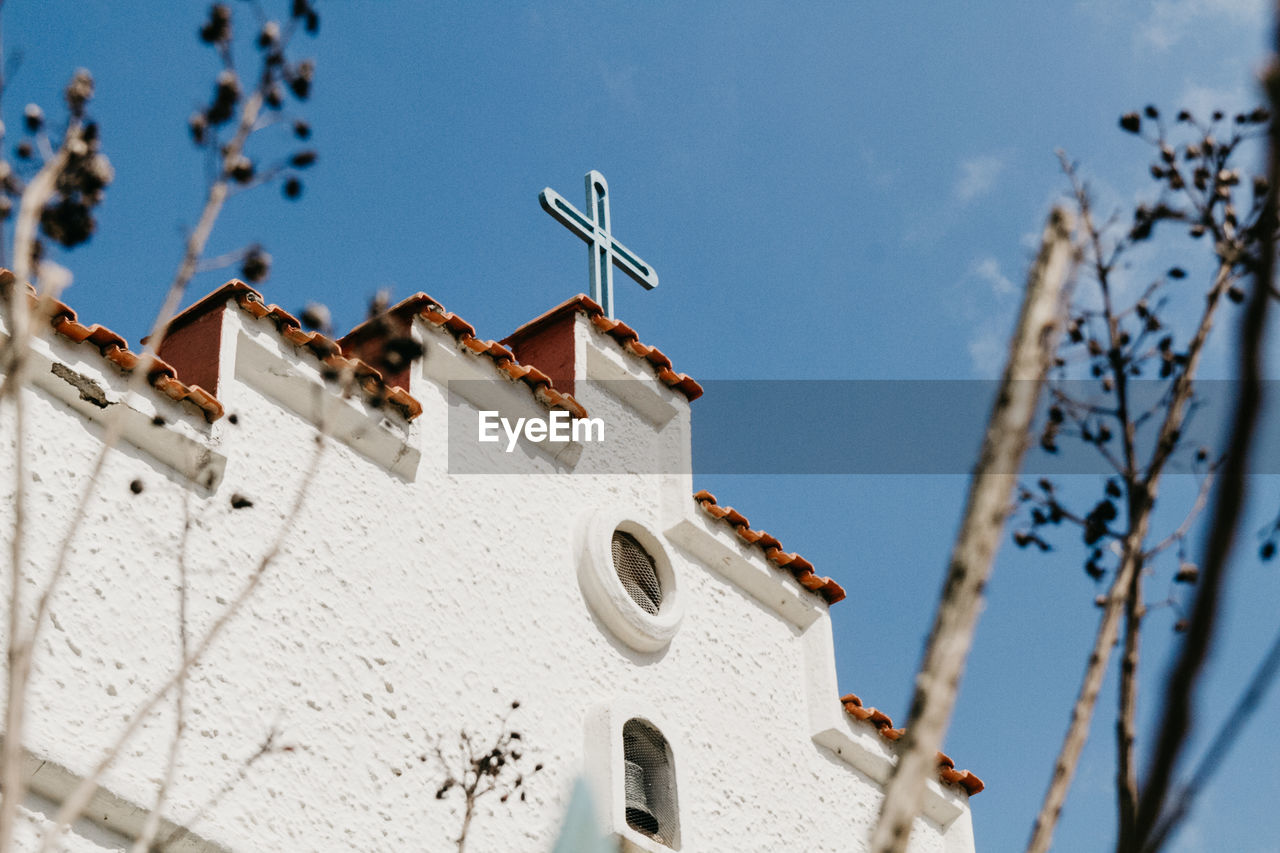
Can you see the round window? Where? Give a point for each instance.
(627, 579)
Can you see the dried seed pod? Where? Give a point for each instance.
(256, 265)
(225, 97)
(316, 316)
(33, 118)
(269, 35)
(199, 126)
(241, 169)
(300, 79)
(67, 222)
(79, 91)
(218, 28)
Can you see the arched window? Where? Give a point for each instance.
(650, 783)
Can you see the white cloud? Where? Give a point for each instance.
(988, 270)
(988, 350)
(989, 309)
(1172, 20)
(977, 177)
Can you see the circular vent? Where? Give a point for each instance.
(636, 571)
(627, 579)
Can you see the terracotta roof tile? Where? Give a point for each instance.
(327, 350)
(884, 727)
(798, 566)
(627, 339)
(422, 305)
(115, 349)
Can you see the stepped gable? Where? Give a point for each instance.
(625, 336)
(947, 771)
(368, 379)
(800, 568)
(161, 375)
(372, 334)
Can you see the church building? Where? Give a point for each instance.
(409, 539)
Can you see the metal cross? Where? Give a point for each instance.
(604, 252)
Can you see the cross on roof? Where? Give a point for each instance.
(604, 251)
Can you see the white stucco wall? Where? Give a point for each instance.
(403, 607)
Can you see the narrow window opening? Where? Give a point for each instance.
(650, 783)
(636, 571)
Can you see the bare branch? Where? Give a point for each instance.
(1229, 498)
(1031, 354)
(1232, 725)
(1179, 533)
(1108, 628)
(75, 802)
(34, 198)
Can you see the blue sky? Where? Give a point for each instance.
(827, 191)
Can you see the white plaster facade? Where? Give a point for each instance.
(408, 602)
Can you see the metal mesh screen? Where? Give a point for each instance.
(650, 784)
(636, 571)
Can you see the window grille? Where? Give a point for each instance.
(650, 782)
(636, 571)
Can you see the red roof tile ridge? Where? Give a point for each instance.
(368, 378)
(114, 348)
(800, 568)
(429, 309)
(626, 338)
(884, 727)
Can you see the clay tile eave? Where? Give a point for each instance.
(884, 727)
(623, 334)
(800, 568)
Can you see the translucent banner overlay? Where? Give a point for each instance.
(823, 427)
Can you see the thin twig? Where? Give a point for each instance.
(76, 801)
(267, 747)
(1212, 758)
(20, 643)
(115, 424)
(152, 824)
(20, 654)
(1202, 498)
